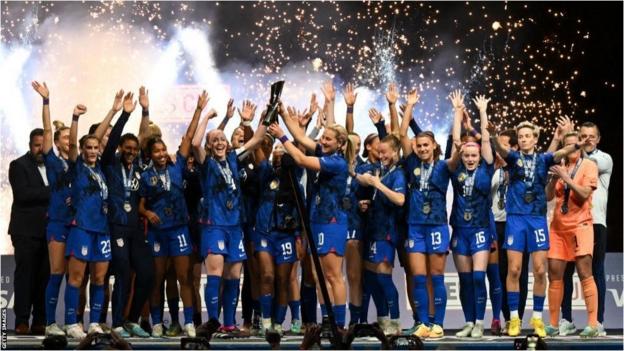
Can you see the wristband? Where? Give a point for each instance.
(75, 118)
(246, 123)
(350, 109)
(46, 101)
(473, 132)
(283, 139)
(145, 113)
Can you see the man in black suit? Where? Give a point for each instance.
(27, 229)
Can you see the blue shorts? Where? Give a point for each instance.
(88, 246)
(467, 241)
(380, 251)
(427, 239)
(492, 228)
(329, 238)
(526, 233)
(169, 242)
(222, 240)
(354, 234)
(57, 231)
(280, 246)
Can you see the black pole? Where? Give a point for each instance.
(336, 339)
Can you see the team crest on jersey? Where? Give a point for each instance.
(510, 240)
(156, 247)
(411, 243)
(417, 171)
(153, 180)
(519, 163)
(120, 242)
(84, 251)
(462, 176)
(263, 243)
(221, 244)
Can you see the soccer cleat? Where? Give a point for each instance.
(466, 330)
(135, 330)
(105, 328)
(295, 327)
(95, 328)
(384, 324)
(157, 330)
(278, 329)
(436, 332)
(538, 327)
(566, 328)
(121, 332)
(189, 330)
(76, 332)
(515, 327)
(174, 330)
(422, 331)
(53, 329)
(590, 332)
(552, 331)
(505, 330)
(495, 327)
(477, 331)
(601, 330)
(395, 327)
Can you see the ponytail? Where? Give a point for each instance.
(346, 144)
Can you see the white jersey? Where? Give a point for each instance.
(599, 197)
(499, 214)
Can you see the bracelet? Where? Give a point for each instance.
(283, 139)
(46, 101)
(246, 123)
(350, 109)
(75, 118)
(473, 132)
(145, 113)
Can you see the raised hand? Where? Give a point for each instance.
(482, 102)
(392, 94)
(275, 130)
(375, 115)
(42, 89)
(143, 98)
(412, 97)
(229, 113)
(80, 109)
(328, 90)
(457, 99)
(492, 128)
(212, 113)
(313, 105)
(248, 111)
(128, 104)
(202, 100)
(304, 118)
(118, 101)
(350, 95)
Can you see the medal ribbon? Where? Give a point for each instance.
(529, 169)
(127, 181)
(566, 191)
(101, 183)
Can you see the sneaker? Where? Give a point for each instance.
(53, 329)
(436, 332)
(105, 328)
(174, 330)
(590, 332)
(566, 328)
(121, 332)
(265, 325)
(157, 330)
(422, 331)
(135, 330)
(466, 330)
(189, 330)
(515, 327)
(505, 330)
(384, 324)
(395, 327)
(601, 330)
(75, 331)
(538, 327)
(553, 331)
(477, 331)
(95, 328)
(278, 329)
(295, 327)
(495, 327)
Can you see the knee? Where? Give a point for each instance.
(539, 271)
(334, 278)
(267, 278)
(75, 279)
(514, 271)
(354, 274)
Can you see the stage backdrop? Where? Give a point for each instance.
(454, 316)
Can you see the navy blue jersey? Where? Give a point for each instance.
(471, 196)
(163, 191)
(328, 189)
(251, 189)
(384, 216)
(192, 191)
(526, 193)
(90, 197)
(277, 210)
(221, 190)
(427, 191)
(123, 186)
(59, 177)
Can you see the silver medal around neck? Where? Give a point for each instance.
(127, 207)
(274, 184)
(501, 204)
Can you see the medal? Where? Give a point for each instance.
(318, 199)
(426, 209)
(168, 211)
(346, 203)
(501, 204)
(528, 197)
(104, 208)
(417, 171)
(229, 204)
(153, 180)
(274, 184)
(467, 215)
(127, 207)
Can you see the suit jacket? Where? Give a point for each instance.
(30, 198)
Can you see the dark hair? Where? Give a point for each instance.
(95, 126)
(84, 139)
(591, 125)
(34, 133)
(369, 140)
(513, 137)
(429, 134)
(128, 136)
(150, 144)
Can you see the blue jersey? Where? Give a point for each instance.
(123, 186)
(354, 193)
(163, 191)
(59, 177)
(471, 196)
(522, 198)
(328, 189)
(221, 190)
(90, 197)
(250, 190)
(384, 215)
(427, 191)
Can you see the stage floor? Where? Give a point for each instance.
(614, 341)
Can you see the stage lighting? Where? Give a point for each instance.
(531, 342)
(194, 344)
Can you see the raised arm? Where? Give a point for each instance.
(392, 95)
(115, 135)
(79, 110)
(309, 162)
(406, 143)
(145, 119)
(198, 151)
(330, 96)
(379, 122)
(349, 95)
(185, 145)
(564, 125)
(568, 149)
(500, 149)
(43, 90)
(293, 127)
(255, 141)
(457, 99)
(229, 113)
(468, 125)
(117, 104)
(486, 148)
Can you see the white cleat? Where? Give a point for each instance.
(76, 332)
(466, 330)
(95, 328)
(53, 329)
(189, 329)
(477, 331)
(157, 330)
